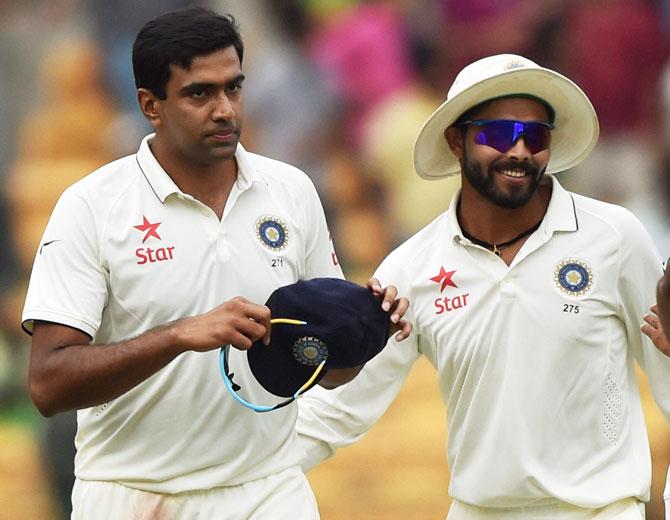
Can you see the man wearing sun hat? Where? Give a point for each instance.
(527, 299)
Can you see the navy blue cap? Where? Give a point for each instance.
(345, 326)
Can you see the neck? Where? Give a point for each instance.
(497, 248)
(208, 183)
(489, 225)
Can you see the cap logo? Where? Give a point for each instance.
(272, 232)
(573, 277)
(309, 351)
(514, 64)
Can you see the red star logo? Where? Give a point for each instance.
(444, 277)
(149, 228)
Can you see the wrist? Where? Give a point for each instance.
(176, 333)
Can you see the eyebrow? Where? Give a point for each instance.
(202, 85)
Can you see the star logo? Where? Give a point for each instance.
(445, 278)
(149, 228)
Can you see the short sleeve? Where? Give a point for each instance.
(639, 270)
(320, 257)
(68, 283)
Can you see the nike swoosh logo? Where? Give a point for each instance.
(48, 243)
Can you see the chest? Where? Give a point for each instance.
(167, 260)
(556, 307)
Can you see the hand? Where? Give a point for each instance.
(663, 298)
(237, 322)
(396, 306)
(653, 328)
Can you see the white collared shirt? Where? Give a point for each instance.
(535, 360)
(125, 251)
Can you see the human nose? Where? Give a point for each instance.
(223, 108)
(520, 150)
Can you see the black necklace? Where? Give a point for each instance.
(495, 248)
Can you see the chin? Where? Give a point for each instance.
(222, 153)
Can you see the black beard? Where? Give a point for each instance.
(486, 185)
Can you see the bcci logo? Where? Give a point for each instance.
(573, 277)
(309, 351)
(272, 232)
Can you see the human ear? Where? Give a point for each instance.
(149, 105)
(454, 137)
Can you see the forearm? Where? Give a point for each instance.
(316, 451)
(75, 376)
(663, 301)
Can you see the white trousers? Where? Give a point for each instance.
(626, 509)
(284, 496)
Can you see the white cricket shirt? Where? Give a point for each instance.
(125, 251)
(535, 360)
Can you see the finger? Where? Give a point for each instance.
(405, 331)
(258, 313)
(268, 329)
(249, 328)
(240, 341)
(374, 285)
(399, 309)
(654, 309)
(651, 320)
(261, 315)
(651, 333)
(390, 294)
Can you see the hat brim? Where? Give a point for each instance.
(576, 125)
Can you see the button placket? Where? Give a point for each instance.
(507, 288)
(222, 249)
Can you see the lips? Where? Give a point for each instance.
(514, 173)
(223, 134)
(515, 170)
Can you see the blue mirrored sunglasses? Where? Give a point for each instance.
(232, 387)
(502, 134)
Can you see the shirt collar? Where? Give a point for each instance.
(561, 214)
(163, 185)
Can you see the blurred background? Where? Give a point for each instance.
(340, 89)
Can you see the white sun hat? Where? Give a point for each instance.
(576, 124)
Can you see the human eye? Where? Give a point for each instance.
(198, 93)
(234, 88)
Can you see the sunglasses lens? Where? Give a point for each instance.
(537, 137)
(496, 134)
(502, 135)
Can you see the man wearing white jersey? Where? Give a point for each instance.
(527, 299)
(147, 267)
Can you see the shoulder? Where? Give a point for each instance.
(278, 172)
(408, 255)
(605, 217)
(615, 230)
(106, 184)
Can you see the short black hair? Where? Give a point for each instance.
(468, 114)
(176, 38)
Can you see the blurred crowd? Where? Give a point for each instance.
(339, 88)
